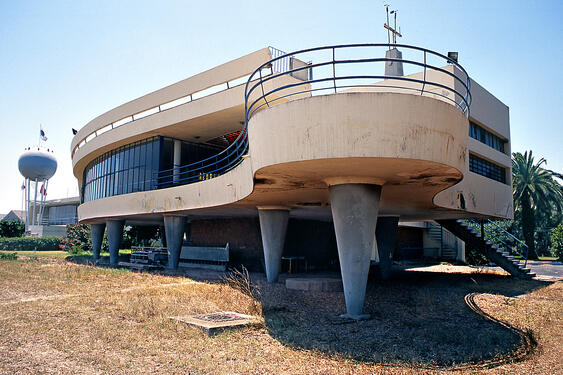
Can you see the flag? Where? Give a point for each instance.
(42, 134)
(43, 190)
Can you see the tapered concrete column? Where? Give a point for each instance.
(385, 235)
(273, 226)
(174, 230)
(115, 233)
(97, 234)
(354, 212)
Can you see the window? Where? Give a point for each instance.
(124, 170)
(488, 138)
(487, 169)
(141, 166)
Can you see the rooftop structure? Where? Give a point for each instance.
(322, 143)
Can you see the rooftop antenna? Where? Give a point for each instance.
(393, 57)
(392, 30)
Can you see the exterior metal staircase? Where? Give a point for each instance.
(498, 250)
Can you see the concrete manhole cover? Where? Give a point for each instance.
(216, 322)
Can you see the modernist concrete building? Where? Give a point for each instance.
(325, 149)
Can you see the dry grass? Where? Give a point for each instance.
(58, 317)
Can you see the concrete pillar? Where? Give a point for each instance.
(385, 235)
(162, 233)
(97, 234)
(394, 68)
(273, 226)
(354, 212)
(177, 160)
(174, 229)
(188, 231)
(115, 233)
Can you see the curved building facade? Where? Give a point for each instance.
(342, 143)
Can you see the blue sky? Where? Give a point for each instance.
(65, 62)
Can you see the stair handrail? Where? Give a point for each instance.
(511, 236)
(507, 246)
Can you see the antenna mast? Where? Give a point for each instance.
(392, 30)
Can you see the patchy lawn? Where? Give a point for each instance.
(59, 317)
(37, 254)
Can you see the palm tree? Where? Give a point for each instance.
(534, 190)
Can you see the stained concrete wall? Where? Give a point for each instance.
(482, 194)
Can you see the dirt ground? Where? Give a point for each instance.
(58, 317)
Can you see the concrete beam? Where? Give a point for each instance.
(385, 235)
(97, 235)
(273, 226)
(174, 230)
(115, 233)
(354, 212)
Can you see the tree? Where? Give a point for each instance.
(534, 190)
(11, 228)
(557, 241)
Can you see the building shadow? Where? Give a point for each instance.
(417, 318)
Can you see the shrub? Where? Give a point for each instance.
(77, 235)
(557, 242)
(30, 243)
(8, 256)
(475, 257)
(11, 228)
(76, 250)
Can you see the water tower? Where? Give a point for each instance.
(37, 164)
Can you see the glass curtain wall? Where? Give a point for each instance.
(128, 169)
(140, 166)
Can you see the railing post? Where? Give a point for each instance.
(424, 77)
(334, 69)
(262, 87)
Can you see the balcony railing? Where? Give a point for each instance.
(340, 71)
(354, 67)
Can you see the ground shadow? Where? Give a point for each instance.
(417, 317)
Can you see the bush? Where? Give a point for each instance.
(8, 256)
(77, 235)
(475, 257)
(11, 228)
(557, 242)
(30, 243)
